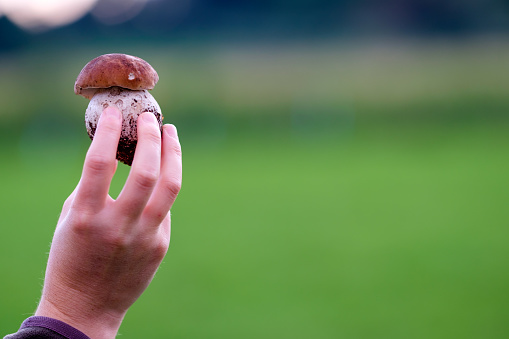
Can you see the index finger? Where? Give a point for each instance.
(100, 162)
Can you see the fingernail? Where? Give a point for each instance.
(148, 117)
(171, 131)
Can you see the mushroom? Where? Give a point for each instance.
(123, 81)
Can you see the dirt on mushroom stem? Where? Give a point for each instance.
(131, 104)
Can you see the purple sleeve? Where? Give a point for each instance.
(48, 328)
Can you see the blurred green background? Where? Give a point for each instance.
(345, 164)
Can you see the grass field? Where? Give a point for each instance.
(353, 227)
(383, 237)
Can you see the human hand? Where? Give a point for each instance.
(105, 252)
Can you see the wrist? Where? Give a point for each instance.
(93, 323)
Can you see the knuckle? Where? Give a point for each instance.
(159, 249)
(98, 163)
(153, 245)
(173, 186)
(118, 241)
(146, 179)
(150, 134)
(177, 150)
(153, 136)
(68, 201)
(110, 127)
(174, 147)
(81, 221)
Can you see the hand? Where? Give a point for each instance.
(105, 252)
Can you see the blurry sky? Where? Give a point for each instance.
(46, 14)
(266, 16)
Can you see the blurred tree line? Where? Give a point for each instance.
(280, 19)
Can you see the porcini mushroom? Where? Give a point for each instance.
(123, 81)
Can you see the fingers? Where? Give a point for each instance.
(170, 180)
(156, 174)
(100, 163)
(145, 168)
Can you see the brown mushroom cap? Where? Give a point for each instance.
(110, 70)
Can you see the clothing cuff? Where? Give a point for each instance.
(55, 325)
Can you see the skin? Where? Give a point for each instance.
(105, 252)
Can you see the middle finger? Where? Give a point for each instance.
(145, 168)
